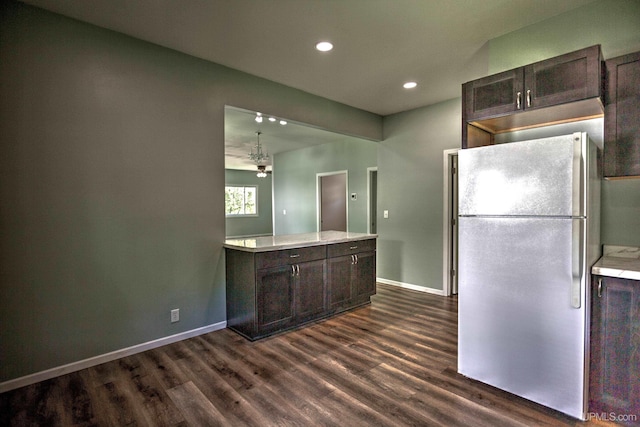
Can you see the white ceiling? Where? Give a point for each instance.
(379, 44)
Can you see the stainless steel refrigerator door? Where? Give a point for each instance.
(517, 328)
(542, 177)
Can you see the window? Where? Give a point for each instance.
(241, 200)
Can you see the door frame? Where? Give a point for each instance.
(447, 242)
(319, 195)
(369, 171)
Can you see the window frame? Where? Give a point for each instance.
(243, 215)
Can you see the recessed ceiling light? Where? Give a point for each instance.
(283, 122)
(409, 85)
(272, 119)
(324, 46)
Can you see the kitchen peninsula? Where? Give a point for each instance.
(275, 283)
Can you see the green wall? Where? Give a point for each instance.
(112, 186)
(411, 155)
(410, 187)
(294, 180)
(613, 24)
(262, 224)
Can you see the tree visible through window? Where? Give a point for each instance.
(240, 200)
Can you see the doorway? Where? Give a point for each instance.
(372, 191)
(450, 222)
(332, 201)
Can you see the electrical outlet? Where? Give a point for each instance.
(175, 315)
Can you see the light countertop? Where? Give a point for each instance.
(619, 261)
(290, 241)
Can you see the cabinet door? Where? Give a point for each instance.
(493, 96)
(310, 290)
(615, 340)
(365, 275)
(339, 278)
(275, 298)
(622, 117)
(566, 78)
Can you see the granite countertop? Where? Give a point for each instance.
(619, 261)
(290, 241)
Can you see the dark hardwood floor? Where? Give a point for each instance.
(392, 363)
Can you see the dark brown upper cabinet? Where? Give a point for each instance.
(557, 90)
(622, 117)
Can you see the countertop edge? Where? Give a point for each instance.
(297, 245)
(621, 262)
(615, 273)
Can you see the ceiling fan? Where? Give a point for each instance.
(262, 171)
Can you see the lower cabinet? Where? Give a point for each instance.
(271, 291)
(615, 348)
(352, 274)
(290, 294)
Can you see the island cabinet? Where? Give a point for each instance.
(522, 98)
(290, 287)
(615, 348)
(274, 290)
(352, 274)
(277, 283)
(622, 117)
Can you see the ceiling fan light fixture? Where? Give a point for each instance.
(262, 173)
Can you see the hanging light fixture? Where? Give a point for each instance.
(258, 157)
(262, 171)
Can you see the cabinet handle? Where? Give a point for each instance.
(353, 247)
(356, 256)
(353, 259)
(293, 270)
(528, 97)
(294, 256)
(519, 100)
(599, 288)
(298, 270)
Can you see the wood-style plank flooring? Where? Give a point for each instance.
(391, 363)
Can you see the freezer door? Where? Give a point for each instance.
(542, 177)
(518, 330)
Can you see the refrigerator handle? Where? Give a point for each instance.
(578, 262)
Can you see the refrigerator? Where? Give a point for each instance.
(529, 215)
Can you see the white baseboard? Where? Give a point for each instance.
(411, 286)
(107, 357)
